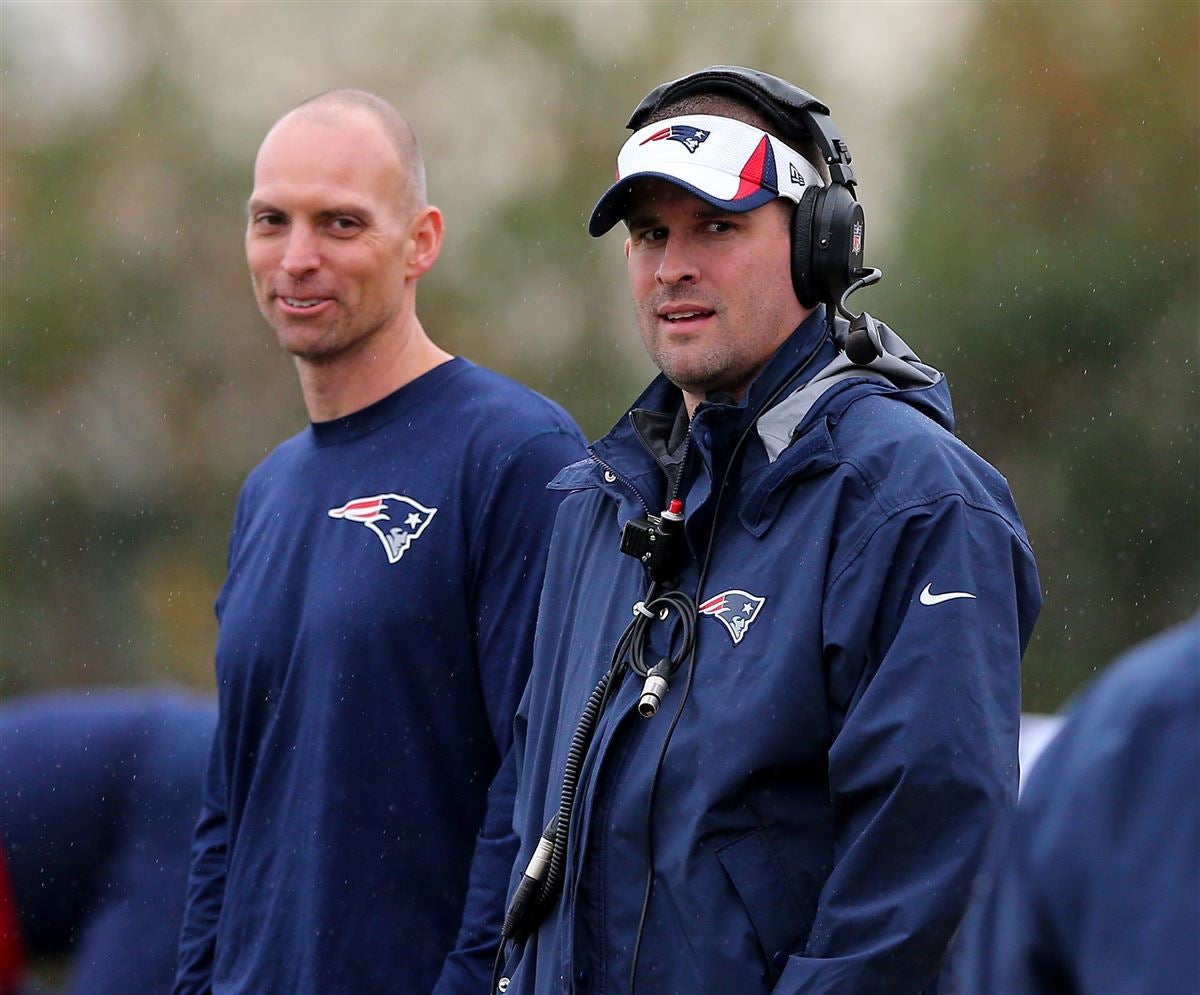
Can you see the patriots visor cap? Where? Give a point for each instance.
(731, 165)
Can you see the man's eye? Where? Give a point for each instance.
(269, 219)
(652, 235)
(345, 225)
(719, 226)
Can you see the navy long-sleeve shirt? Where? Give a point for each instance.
(375, 633)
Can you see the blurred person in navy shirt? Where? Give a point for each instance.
(98, 798)
(1097, 888)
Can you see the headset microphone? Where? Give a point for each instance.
(862, 343)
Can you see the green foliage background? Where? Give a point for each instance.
(1030, 178)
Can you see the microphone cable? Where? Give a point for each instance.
(542, 879)
(691, 671)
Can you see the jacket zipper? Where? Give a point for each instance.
(623, 480)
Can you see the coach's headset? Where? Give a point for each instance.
(828, 227)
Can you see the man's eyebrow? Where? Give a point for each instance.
(648, 219)
(643, 220)
(256, 204)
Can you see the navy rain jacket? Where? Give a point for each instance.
(850, 735)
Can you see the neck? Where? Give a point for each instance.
(379, 366)
(692, 401)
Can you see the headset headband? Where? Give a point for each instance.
(781, 103)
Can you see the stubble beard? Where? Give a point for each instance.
(343, 337)
(723, 361)
(693, 367)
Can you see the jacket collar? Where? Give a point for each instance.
(625, 453)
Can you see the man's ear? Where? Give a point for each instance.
(424, 241)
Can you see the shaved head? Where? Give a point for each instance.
(330, 107)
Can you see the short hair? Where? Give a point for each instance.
(395, 126)
(723, 105)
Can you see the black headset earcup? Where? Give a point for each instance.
(836, 243)
(802, 257)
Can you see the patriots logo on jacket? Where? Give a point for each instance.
(396, 519)
(735, 610)
(687, 136)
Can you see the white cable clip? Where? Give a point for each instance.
(641, 609)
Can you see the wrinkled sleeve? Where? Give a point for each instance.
(206, 882)
(518, 519)
(925, 694)
(210, 843)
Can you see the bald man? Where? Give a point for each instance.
(377, 617)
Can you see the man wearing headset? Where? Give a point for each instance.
(766, 751)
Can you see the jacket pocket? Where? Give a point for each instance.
(768, 894)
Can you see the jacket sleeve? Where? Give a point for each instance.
(924, 628)
(518, 517)
(206, 883)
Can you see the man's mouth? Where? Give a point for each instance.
(301, 305)
(684, 315)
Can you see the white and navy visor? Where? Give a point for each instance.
(733, 166)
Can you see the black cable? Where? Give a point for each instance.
(685, 609)
(571, 771)
(496, 965)
(539, 885)
(687, 686)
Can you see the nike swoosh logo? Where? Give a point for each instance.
(929, 598)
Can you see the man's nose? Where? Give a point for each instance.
(677, 264)
(302, 254)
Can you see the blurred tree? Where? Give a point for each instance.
(1049, 263)
(117, 393)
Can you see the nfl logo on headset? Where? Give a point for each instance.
(856, 239)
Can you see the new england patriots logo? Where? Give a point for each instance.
(735, 610)
(411, 519)
(687, 136)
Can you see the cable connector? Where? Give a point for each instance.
(654, 690)
(531, 880)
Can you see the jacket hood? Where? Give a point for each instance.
(898, 371)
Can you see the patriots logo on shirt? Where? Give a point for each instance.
(396, 519)
(687, 136)
(735, 610)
